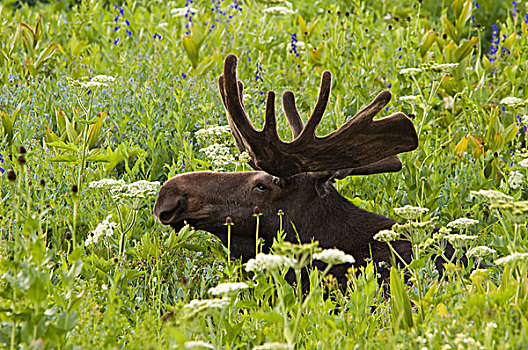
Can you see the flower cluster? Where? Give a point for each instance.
(512, 259)
(515, 180)
(227, 288)
(480, 252)
(334, 257)
(386, 236)
(462, 223)
(274, 346)
(126, 24)
(198, 344)
(216, 134)
(495, 41)
(511, 101)
(492, 196)
(269, 262)
(409, 212)
(104, 229)
(119, 189)
(517, 212)
(279, 10)
(460, 241)
(1, 161)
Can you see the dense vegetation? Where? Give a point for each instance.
(126, 91)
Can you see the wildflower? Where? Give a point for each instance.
(480, 252)
(460, 241)
(198, 344)
(197, 305)
(107, 184)
(517, 212)
(274, 346)
(511, 101)
(104, 229)
(1, 161)
(278, 10)
(156, 36)
(386, 236)
(227, 288)
(92, 84)
(523, 163)
(182, 11)
(515, 180)
(492, 196)
(334, 257)
(409, 99)
(409, 212)
(103, 78)
(11, 175)
(141, 189)
(512, 259)
(410, 71)
(462, 223)
(269, 262)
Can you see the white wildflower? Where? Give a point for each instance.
(409, 99)
(103, 78)
(278, 10)
(512, 259)
(107, 184)
(141, 189)
(197, 305)
(227, 288)
(444, 67)
(334, 256)
(104, 229)
(510, 101)
(299, 45)
(515, 180)
(409, 212)
(462, 223)
(182, 11)
(220, 155)
(480, 252)
(92, 84)
(386, 236)
(269, 262)
(222, 131)
(410, 71)
(274, 346)
(198, 344)
(460, 241)
(492, 196)
(523, 163)
(448, 102)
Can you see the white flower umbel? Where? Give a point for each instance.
(196, 305)
(104, 229)
(523, 163)
(220, 133)
(460, 241)
(227, 288)
(269, 262)
(278, 11)
(512, 259)
(182, 11)
(515, 180)
(198, 344)
(410, 71)
(334, 257)
(220, 155)
(462, 223)
(386, 236)
(103, 79)
(480, 252)
(141, 189)
(409, 212)
(408, 99)
(511, 101)
(107, 184)
(274, 346)
(492, 196)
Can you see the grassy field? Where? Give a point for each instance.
(101, 102)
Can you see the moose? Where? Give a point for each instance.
(295, 177)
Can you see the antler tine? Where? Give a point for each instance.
(366, 114)
(292, 114)
(233, 98)
(270, 122)
(320, 106)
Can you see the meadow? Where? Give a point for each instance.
(102, 101)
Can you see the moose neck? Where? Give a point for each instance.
(335, 222)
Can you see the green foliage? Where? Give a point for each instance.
(90, 267)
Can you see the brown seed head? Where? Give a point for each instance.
(21, 159)
(75, 189)
(22, 150)
(11, 175)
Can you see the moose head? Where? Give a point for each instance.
(295, 177)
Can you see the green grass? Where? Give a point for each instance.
(129, 289)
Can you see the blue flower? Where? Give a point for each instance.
(127, 22)
(116, 18)
(117, 28)
(157, 36)
(116, 41)
(184, 76)
(129, 32)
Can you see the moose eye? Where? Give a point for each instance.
(261, 187)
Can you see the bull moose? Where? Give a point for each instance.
(295, 177)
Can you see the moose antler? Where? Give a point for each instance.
(360, 146)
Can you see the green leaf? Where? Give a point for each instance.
(191, 49)
(401, 311)
(465, 49)
(427, 41)
(465, 14)
(64, 158)
(451, 31)
(63, 145)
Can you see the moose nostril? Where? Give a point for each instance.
(168, 210)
